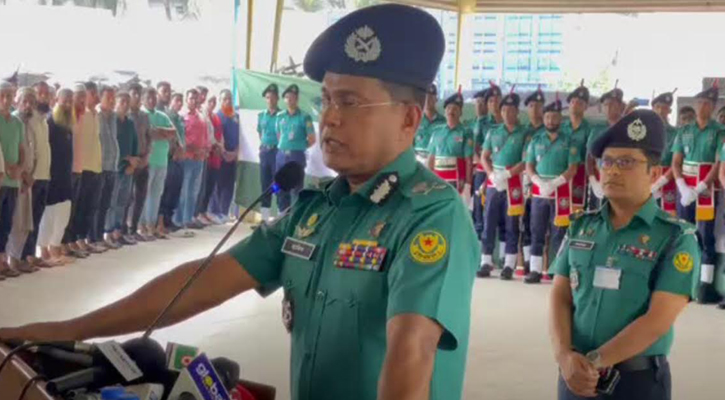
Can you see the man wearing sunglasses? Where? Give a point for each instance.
(695, 166)
(377, 267)
(622, 276)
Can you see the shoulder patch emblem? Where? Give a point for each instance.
(428, 247)
(683, 262)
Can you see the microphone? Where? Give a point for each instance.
(288, 177)
(145, 355)
(75, 347)
(228, 371)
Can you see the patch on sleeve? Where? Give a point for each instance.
(428, 247)
(573, 151)
(683, 262)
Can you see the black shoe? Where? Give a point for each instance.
(124, 241)
(78, 254)
(533, 277)
(706, 294)
(172, 227)
(129, 240)
(507, 274)
(721, 305)
(484, 271)
(527, 267)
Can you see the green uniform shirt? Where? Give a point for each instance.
(507, 149)
(293, 130)
(11, 136)
(479, 128)
(447, 142)
(598, 128)
(670, 134)
(340, 314)
(699, 145)
(654, 252)
(551, 158)
(159, 156)
(579, 136)
(425, 132)
(267, 128)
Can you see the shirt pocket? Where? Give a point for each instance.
(295, 277)
(581, 271)
(635, 281)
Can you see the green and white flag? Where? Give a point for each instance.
(179, 356)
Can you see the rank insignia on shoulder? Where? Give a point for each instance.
(361, 255)
(384, 188)
(428, 247)
(425, 188)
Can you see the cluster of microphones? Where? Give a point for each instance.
(141, 369)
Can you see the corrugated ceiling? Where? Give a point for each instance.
(571, 6)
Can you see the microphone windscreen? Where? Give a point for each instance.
(228, 371)
(149, 356)
(291, 175)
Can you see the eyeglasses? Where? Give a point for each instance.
(623, 163)
(348, 105)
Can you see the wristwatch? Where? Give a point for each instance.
(595, 358)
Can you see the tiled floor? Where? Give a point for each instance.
(509, 355)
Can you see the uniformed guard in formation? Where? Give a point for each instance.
(268, 141)
(430, 122)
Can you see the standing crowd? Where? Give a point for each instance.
(93, 168)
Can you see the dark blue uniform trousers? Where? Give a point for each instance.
(267, 168)
(495, 212)
(478, 179)
(705, 230)
(543, 212)
(526, 224)
(285, 197)
(651, 384)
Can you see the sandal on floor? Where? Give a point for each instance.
(8, 272)
(25, 267)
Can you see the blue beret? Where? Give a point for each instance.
(554, 106)
(709, 94)
(665, 98)
(616, 94)
(511, 99)
(294, 89)
(640, 129)
(480, 94)
(537, 96)
(271, 88)
(582, 92)
(456, 99)
(493, 91)
(390, 42)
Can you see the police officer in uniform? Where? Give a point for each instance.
(579, 129)
(622, 276)
(431, 121)
(267, 130)
(694, 166)
(480, 129)
(493, 100)
(534, 103)
(503, 161)
(551, 163)
(450, 151)
(613, 104)
(296, 134)
(377, 266)
(665, 188)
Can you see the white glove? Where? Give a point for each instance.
(661, 182)
(558, 181)
(537, 180)
(596, 187)
(546, 189)
(500, 184)
(701, 187)
(506, 173)
(687, 195)
(656, 194)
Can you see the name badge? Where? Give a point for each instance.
(581, 244)
(607, 278)
(298, 248)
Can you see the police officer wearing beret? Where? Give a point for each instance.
(613, 105)
(622, 276)
(694, 165)
(480, 129)
(551, 163)
(450, 151)
(493, 98)
(502, 159)
(296, 134)
(665, 189)
(430, 122)
(534, 103)
(579, 129)
(268, 141)
(377, 266)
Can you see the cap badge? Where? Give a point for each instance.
(363, 45)
(636, 130)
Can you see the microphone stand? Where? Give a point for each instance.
(274, 188)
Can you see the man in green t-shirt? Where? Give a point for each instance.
(534, 104)
(622, 276)
(377, 266)
(268, 141)
(11, 139)
(665, 188)
(579, 129)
